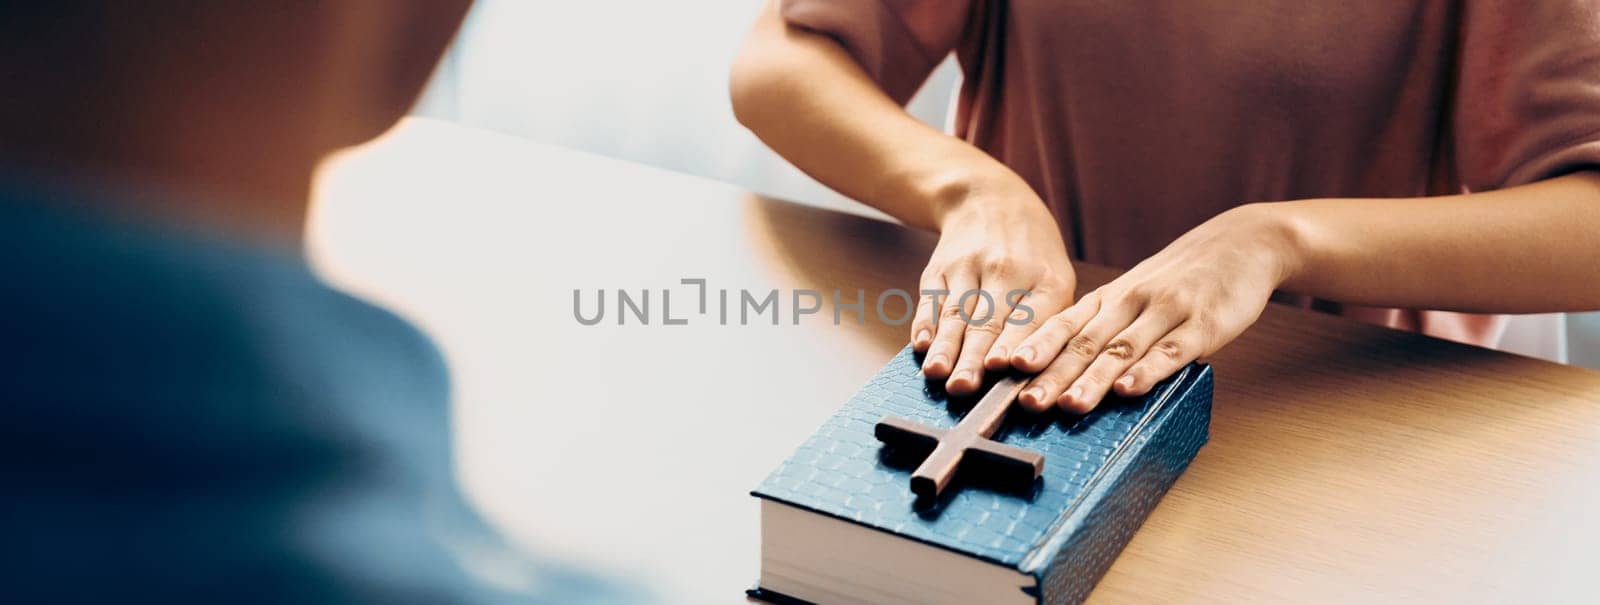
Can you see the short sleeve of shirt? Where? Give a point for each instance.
(897, 42)
(1527, 98)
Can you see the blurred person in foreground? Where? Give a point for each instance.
(190, 414)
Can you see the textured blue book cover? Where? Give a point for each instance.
(1103, 474)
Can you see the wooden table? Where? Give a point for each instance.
(1347, 463)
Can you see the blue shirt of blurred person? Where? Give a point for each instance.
(185, 418)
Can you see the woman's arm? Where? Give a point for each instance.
(1524, 249)
(807, 99)
(804, 95)
(1528, 249)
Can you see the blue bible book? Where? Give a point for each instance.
(839, 523)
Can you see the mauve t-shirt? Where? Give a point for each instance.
(1137, 121)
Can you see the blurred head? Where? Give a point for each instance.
(233, 96)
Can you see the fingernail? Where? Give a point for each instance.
(1072, 395)
(922, 337)
(1034, 395)
(1125, 382)
(998, 353)
(963, 376)
(938, 362)
(1024, 354)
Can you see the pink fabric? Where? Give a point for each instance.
(1136, 121)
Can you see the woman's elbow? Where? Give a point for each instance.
(755, 84)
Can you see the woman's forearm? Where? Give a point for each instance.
(1528, 249)
(804, 96)
(1524, 249)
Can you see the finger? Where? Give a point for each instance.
(1043, 390)
(922, 324)
(1082, 349)
(1040, 348)
(986, 318)
(1027, 316)
(1169, 354)
(951, 327)
(1079, 352)
(1114, 359)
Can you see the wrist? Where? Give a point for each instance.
(981, 197)
(1282, 233)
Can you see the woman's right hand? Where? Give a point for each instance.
(808, 99)
(999, 271)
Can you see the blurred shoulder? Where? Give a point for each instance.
(131, 321)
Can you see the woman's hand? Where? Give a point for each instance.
(807, 98)
(999, 271)
(1183, 304)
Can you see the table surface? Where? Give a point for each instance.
(1346, 462)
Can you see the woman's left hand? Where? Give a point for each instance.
(1183, 304)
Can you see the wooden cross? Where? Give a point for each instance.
(970, 437)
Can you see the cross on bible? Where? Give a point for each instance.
(970, 437)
